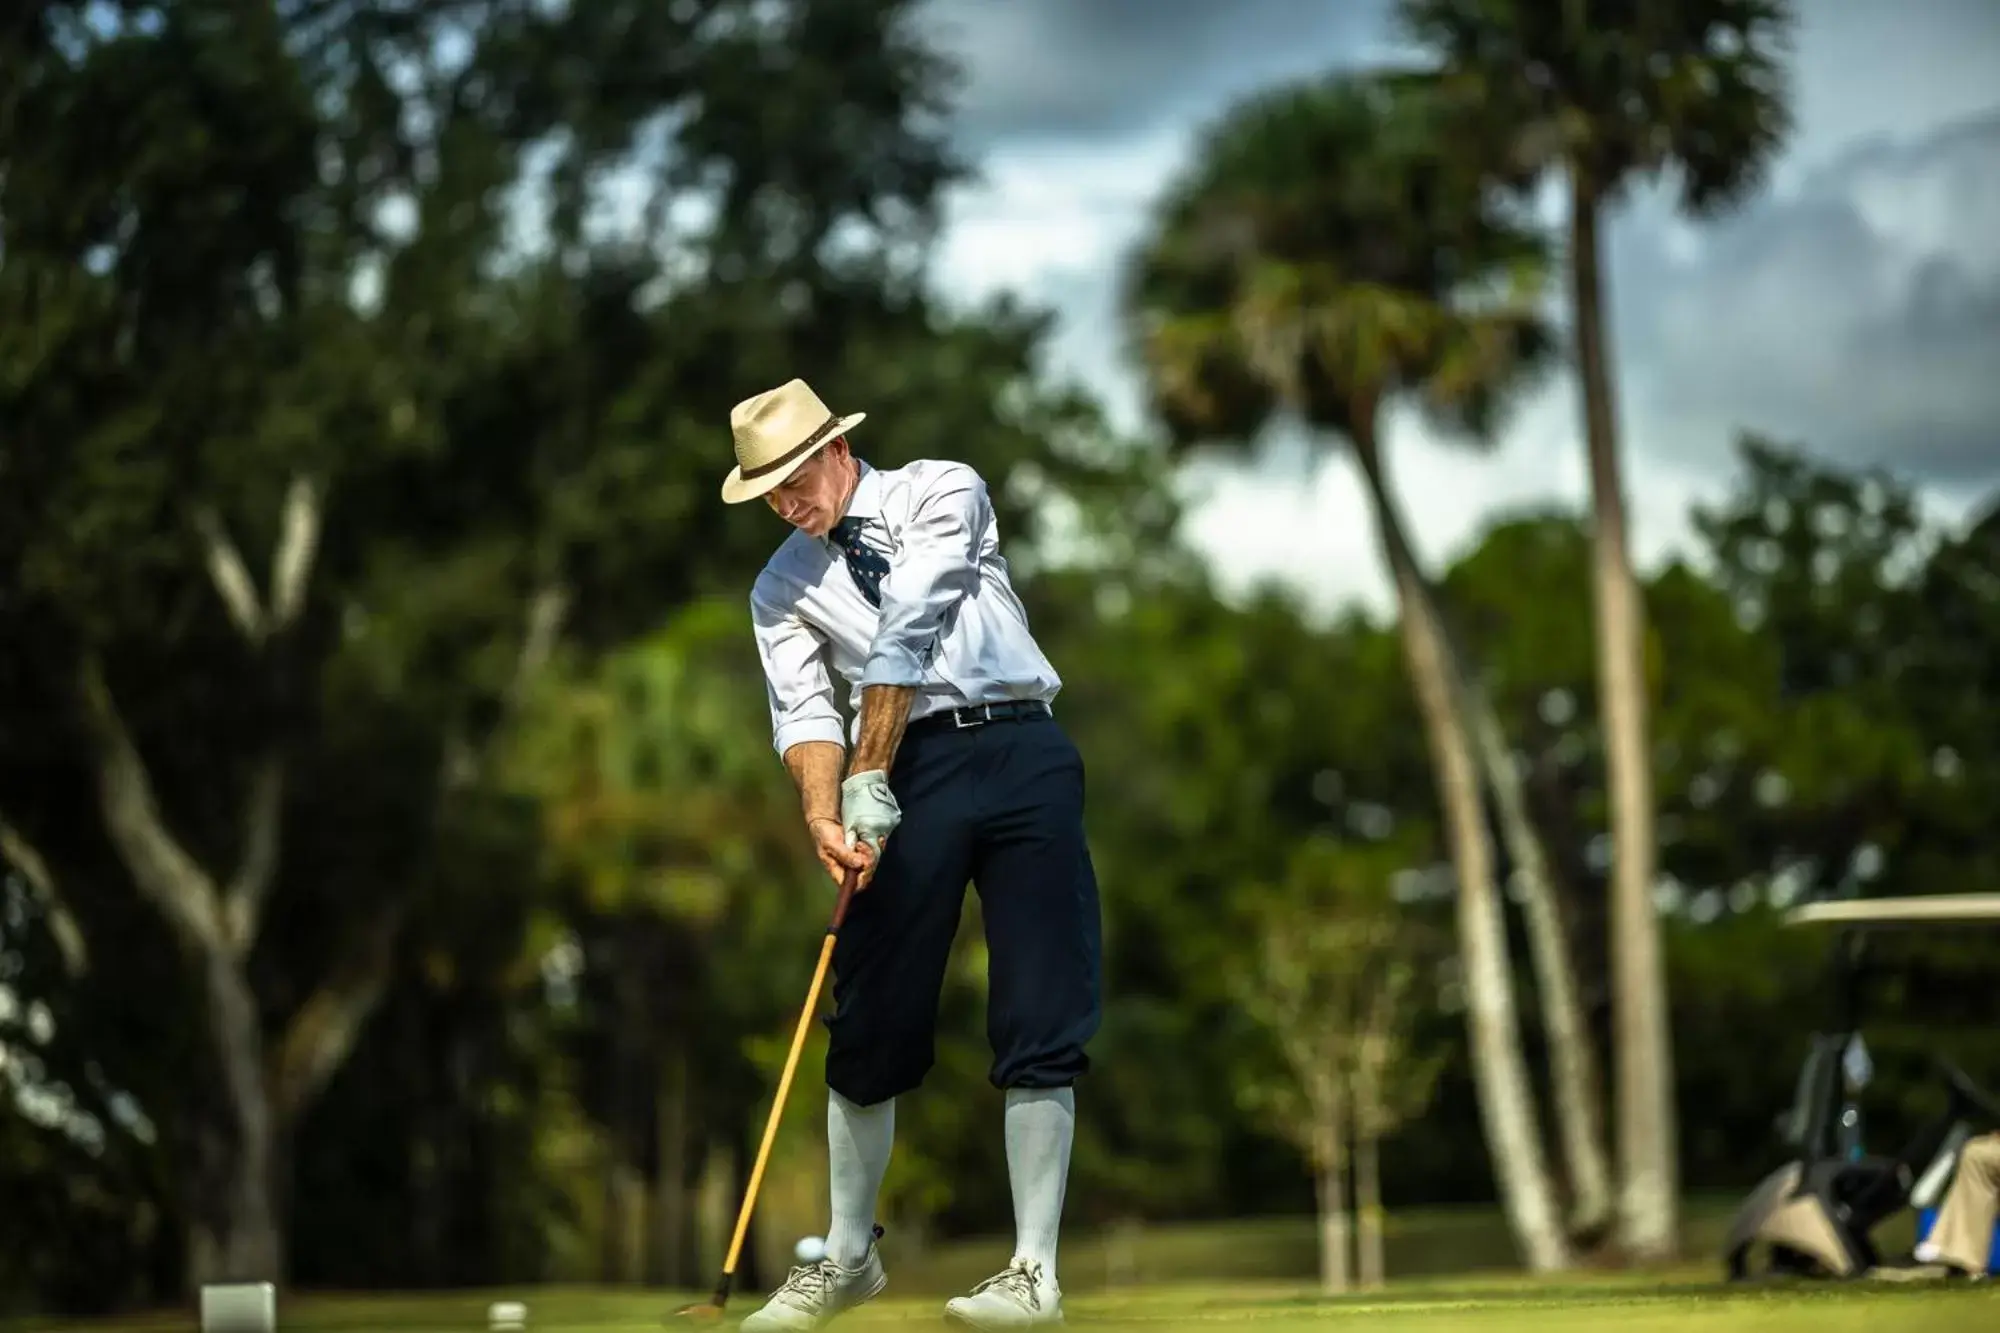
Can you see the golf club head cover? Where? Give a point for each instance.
(868, 809)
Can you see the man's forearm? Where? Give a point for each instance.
(885, 712)
(815, 770)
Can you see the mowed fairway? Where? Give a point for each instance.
(1504, 1306)
(1453, 1266)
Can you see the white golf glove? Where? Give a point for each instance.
(868, 809)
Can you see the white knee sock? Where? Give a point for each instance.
(857, 1153)
(1041, 1124)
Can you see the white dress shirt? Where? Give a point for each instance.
(949, 622)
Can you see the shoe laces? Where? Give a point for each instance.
(1019, 1279)
(811, 1282)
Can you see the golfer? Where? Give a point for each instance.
(958, 772)
(1961, 1242)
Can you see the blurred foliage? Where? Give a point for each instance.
(1611, 92)
(1338, 968)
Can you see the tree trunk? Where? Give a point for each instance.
(610, 1228)
(1368, 1202)
(1573, 1067)
(1330, 1167)
(1506, 1097)
(672, 1212)
(23, 857)
(1333, 1278)
(234, 1234)
(1643, 1042)
(237, 1166)
(1574, 1083)
(233, 1231)
(688, 1260)
(1584, 906)
(1373, 1052)
(623, 1132)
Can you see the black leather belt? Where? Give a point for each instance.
(978, 715)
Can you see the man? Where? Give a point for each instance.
(1960, 1243)
(958, 772)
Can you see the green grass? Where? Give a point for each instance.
(1497, 1305)
(1450, 1269)
(1420, 1244)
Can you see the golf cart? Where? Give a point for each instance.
(1813, 1216)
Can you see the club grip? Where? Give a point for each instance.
(847, 887)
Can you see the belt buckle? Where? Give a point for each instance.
(974, 711)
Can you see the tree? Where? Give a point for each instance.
(1391, 1074)
(664, 808)
(1829, 763)
(260, 300)
(1323, 257)
(171, 374)
(1330, 985)
(1605, 93)
(1267, 730)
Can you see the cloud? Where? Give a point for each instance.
(1865, 71)
(1301, 518)
(1050, 222)
(1859, 316)
(1107, 68)
(1854, 307)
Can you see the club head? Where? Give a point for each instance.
(701, 1312)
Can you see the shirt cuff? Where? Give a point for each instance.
(892, 664)
(805, 729)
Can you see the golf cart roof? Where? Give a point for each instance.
(1939, 909)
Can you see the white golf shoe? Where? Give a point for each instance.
(1020, 1295)
(811, 1294)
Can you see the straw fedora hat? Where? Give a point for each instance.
(776, 431)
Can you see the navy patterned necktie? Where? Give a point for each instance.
(863, 561)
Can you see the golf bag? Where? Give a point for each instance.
(1813, 1216)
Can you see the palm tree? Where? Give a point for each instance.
(1608, 92)
(1321, 258)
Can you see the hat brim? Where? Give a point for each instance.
(736, 488)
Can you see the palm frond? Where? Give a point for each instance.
(1324, 249)
(1615, 90)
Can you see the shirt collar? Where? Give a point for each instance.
(867, 501)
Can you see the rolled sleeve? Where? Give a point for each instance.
(797, 684)
(936, 568)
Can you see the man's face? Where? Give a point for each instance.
(813, 498)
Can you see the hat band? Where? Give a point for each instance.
(812, 442)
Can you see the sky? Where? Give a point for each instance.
(1852, 307)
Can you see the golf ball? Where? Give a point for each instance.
(810, 1249)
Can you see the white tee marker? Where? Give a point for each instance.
(239, 1307)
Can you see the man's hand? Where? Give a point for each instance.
(831, 846)
(868, 812)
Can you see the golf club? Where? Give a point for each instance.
(712, 1308)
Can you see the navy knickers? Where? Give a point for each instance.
(1000, 805)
